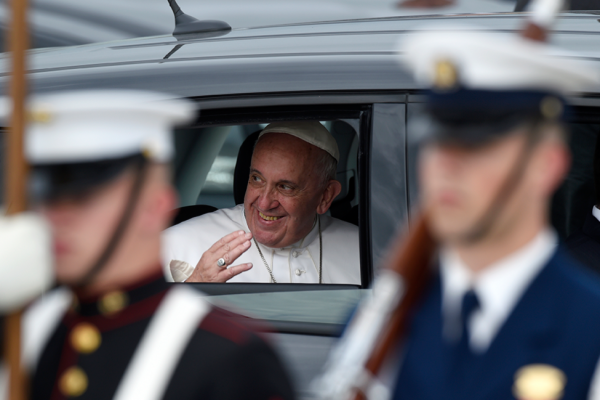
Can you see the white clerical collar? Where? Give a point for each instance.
(596, 212)
(301, 244)
(498, 287)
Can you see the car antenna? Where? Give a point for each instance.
(188, 25)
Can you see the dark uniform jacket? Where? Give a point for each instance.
(556, 322)
(585, 245)
(89, 352)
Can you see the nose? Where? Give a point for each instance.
(267, 199)
(448, 158)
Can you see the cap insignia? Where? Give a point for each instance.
(539, 382)
(39, 115)
(446, 75)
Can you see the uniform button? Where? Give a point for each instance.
(112, 302)
(85, 338)
(73, 382)
(295, 254)
(298, 272)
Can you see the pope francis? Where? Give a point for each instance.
(280, 234)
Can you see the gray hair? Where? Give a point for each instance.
(325, 167)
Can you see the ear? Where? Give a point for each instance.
(558, 164)
(331, 191)
(159, 209)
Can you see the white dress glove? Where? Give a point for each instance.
(25, 260)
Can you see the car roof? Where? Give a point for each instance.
(348, 55)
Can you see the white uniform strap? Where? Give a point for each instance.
(160, 349)
(37, 326)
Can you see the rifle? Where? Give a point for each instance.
(15, 170)
(382, 319)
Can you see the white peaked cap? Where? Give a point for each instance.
(85, 126)
(493, 61)
(25, 260)
(312, 132)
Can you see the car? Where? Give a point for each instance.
(346, 74)
(70, 22)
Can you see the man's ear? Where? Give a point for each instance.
(159, 209)
(331, 191)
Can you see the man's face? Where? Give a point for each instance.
(459, 184)
(284, 190)
(83, 225)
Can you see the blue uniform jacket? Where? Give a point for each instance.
(556, 322)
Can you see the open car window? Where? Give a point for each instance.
(205, 175)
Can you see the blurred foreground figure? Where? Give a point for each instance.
(507, 314)
(510, 314)
(101, 178)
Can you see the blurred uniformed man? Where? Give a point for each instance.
(101, 177)
(510, 314)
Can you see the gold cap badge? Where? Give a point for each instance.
(39, 115)
(551, 107)
(539, 382)
(446, 75)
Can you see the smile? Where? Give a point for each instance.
(266, 217)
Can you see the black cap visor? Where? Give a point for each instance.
(49, 182)
(473, 118)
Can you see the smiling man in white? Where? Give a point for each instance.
(280, 234)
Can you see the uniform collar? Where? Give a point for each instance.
(112, 303)
(498, 287)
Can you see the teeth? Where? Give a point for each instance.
(263, 216)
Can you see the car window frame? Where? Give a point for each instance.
(321, 112)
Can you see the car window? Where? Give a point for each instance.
(2, 164)
(206, 179)
(206, 157)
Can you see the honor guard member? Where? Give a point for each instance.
(100, 176)
(510, 314)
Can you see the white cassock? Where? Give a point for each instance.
(184, 244)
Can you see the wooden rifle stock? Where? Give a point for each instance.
(411, 258)
(15, 180)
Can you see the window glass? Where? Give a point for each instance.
(388, 200)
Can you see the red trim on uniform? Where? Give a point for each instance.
(222, 324)
(128, 288)
(132, 313)
(68, 359)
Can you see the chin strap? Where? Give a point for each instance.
(141, 169)
(485, 223)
